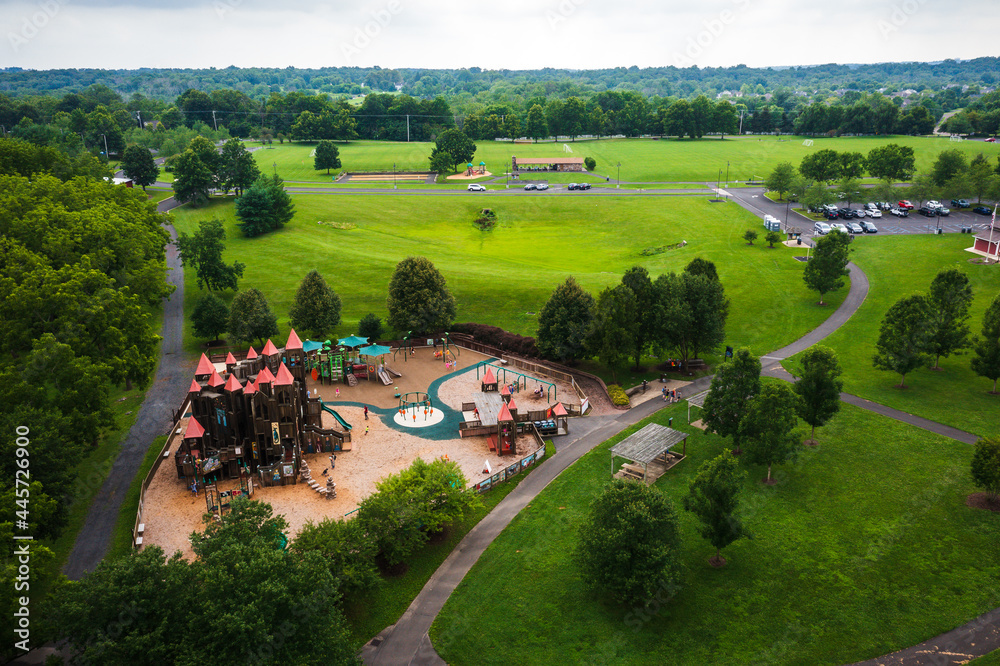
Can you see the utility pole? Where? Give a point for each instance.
(107, 155)
(214, 121)
(407, 128)
(138, 117)
(619, 176)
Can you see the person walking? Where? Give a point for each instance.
(366, 430)
(366, 412)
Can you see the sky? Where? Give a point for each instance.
(512, 34)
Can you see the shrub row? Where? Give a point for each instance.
(618, 396)
(497, 337)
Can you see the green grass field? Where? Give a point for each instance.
(503, 277)
(642, 160)
(863, 547)
(898, 266)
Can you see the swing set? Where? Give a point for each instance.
(522, 379)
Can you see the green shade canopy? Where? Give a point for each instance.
(374, 350)
(311, 345)
(353, 341)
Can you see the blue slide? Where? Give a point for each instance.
(334, 414)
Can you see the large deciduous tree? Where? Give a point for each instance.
(823, 165)
(237, 168)
(948, 311)
(947, 164)
(819, 387)
(250, 317)
(646, 314)
(890, 162)
(203, 251)
(458, 145)
(692, 309)
(734, 385)
(537, 127)
(316, 308)
(714, 497)
(565, 322)
(192, 179)
(419, 299)
(327, 156)
(986, 349)
(826, 269)
(768, 424)
(904, 337)
(138, 164)
(780, 179)
(210, 317)
(611, 337)
(629, 547)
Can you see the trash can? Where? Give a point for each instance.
(939, 230)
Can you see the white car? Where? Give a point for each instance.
(934, 204)
(476, 187)
(821, 228)
(837, 226)
(541, 186)
(862, 212)
(855, 228)
(877, 214)
(871, 206)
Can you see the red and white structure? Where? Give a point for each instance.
(987, 243)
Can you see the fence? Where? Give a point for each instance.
(514, 468)
(164, 453)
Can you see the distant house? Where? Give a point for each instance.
(127, 182)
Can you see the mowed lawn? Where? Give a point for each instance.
(899, 266)
(863, 547)
(503, 277)
(642, 160)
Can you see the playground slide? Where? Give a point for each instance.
(340, 419)
(384, 376)
(391, 372)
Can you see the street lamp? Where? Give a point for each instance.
(718, 184)
(619, 176)
(393, 175)
(786, 215)
(275, 168)
(727, 173)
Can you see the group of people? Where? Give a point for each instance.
(670, 395)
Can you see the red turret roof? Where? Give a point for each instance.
(293, 341)
(230, 359)
(284, 377)
(215, 379)
(233, 384)
(505, 414)
(269, 349)
(194, 429)
(488, 378)
(251, 355)
(510, 404)
(265, 377)
(195, 387)
(559, 410)
(505, 390)
(250, 388)
(205, 366)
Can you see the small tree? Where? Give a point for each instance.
(210, 317)
(904, 337)
(316, 308)
(714, 498)
(192, 179)
(768, 424)
(250, 317)
(419, 299)
(458, 145)
(781, 178)
(701, 266)
(327, 156)
(826, 269)
(589, 163)
(565, 322)
(850, 190)
(949, 303)
(347, 550)
(772, 237)
(819, 387)
(986, 361)
(370, 327)
(441, 161)
(629, 545)
(203, 251)
(264, 207)
(138, 164)
(735, 383)
(237, 168)
(986, 466)
(750, 236)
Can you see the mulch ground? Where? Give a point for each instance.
(983, 501)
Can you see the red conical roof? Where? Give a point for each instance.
(505, 414)
(505, 390)
(233, 384)
(230, 359)
(488, 378)
(195, 387)
(293, 341)
(284, 377)
(269, 349)
(510, 404)
(215, 379)
(559, 410)
(205, 366)
(251, 387)
(265, 377)
(194, 429)
(251, 355)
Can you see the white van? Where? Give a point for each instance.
(821, 228)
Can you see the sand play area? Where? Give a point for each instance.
(172, 512)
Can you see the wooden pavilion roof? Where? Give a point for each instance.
(649, 443)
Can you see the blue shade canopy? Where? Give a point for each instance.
(374, 350)
(311, 345)
(353, 341)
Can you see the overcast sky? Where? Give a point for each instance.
(514, 34)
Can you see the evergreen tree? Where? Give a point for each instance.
(419, 299)
(646, 312)
(700, 266)
(316, 309)
(714, 498)
(265, 207)
(611, 337)
(370, 327)
(565, 322)
(819, 387)
(986, 361)
(250, 317)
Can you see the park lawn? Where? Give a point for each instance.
(863, 547)
(503, 277)
(642, 160)
(898, 266)
(991, 659)
(121, 540)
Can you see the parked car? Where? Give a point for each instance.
(830, 208)
(933, 204)
(476, 187)
(884, 205)
(583, 186)
(942, 211)
(821, 228)
(871, 206)
(905, 205)
(813, 208)
(959, 203)
(530, 186)
(839, 227)
(927, 211)
(900, 212)
(992, 139)
(831, 214)
(868, 227)
(877, 214)
(855, 228)
(982, 210)
(542, 186)
(863, 213)
(848, 214)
